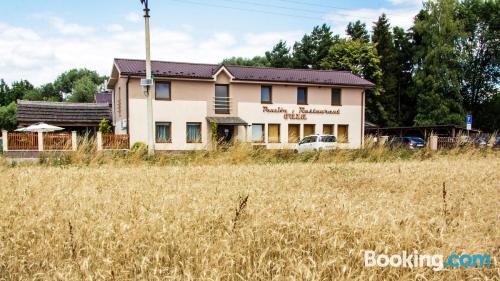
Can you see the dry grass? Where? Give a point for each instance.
(278, 221)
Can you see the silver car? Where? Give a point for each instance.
(317, 142)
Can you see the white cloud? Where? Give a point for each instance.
(41, 55)
(397, 17)
(114, 28)
(407, 2)
(69, 28)
(133, 17)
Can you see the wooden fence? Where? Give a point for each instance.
(57, 141)
(110, 141)
(22, 141)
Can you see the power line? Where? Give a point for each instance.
(275, 6)
(315, 5)
(326, 6)
(243, 9)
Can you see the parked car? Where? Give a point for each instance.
(496, 143)
(481, 141)
(317, 142)
(407, 142)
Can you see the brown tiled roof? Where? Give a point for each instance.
(62, 113)
(167, 69)
(242, 73)
(307, 76)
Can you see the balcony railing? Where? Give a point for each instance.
(221, 105)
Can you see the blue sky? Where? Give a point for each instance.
(40, 39)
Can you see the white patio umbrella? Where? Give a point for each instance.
(40, 127)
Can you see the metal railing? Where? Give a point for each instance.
(221, 105)
(57, 141)
(22, 141)
(110, 141)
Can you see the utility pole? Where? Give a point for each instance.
(149, 97)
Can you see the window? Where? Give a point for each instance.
(337, 96)
(328, 139)
(343, 133)
(221, 99)
(163, 132)
(266, 95)
(309, 139)
(301, 95)
(257, 132)
(328, 129)
(309, 129)
(193, 132)
(293, 133)
(274, 133)
(162, 90)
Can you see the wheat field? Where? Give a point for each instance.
(282, 221)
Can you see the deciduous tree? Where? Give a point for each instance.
(361, 59)
(436, 81)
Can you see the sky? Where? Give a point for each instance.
(40, 39)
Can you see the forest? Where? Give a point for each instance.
(435, 73)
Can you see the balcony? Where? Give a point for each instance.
(221, 105)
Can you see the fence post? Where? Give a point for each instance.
(40, 141)
(99, 141)
(433, 141)
(5, 139)
(74, 140)
(382, 140)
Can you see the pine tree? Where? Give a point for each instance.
(383, 41)
(310, 51)
(436, 82)
(357, 31)
(404, 52)
(304, 52)
(280, 55)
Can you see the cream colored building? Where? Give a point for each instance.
(266, 106)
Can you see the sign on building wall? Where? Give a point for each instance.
(299, 114)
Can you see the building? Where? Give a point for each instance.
(104, 97)
(273, 107)
(81, 117)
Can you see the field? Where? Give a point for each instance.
(246, 221)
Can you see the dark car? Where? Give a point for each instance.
(407, 142)
(481, 141)
(496, 143)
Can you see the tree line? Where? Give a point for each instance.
(75, 85)
(442, 68)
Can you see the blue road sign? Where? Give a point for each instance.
(469, 119)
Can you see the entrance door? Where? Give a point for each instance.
(225, 134)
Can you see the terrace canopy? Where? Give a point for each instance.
(237, 121)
